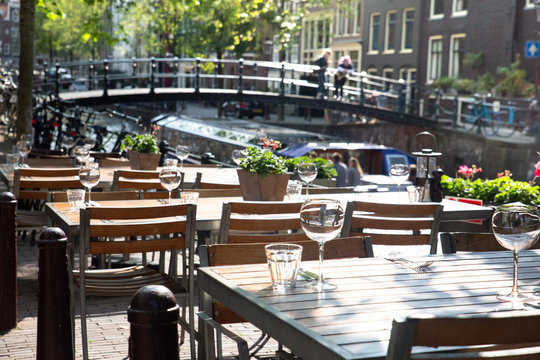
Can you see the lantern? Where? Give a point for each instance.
(426, 164)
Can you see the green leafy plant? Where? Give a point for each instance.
(262, 162)
(502, 190)
(142, 143)
(324, 167)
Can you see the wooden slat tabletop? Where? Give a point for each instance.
(354, 321)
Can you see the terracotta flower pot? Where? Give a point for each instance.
(143, 161)
(255, 187)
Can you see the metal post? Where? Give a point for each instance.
(176, 70)
(8, 262)
(105, 77)
(54, 331)
(240, 75)
(197, 74)
(152, 74)
(282, 82)
(214, 85)
(401, 97)
(91, 74)
(455, 112)
(362, 91)
(255, 69)
(57, 79)
(153, 315)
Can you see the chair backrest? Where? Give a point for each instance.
(113, 162)
(394, 224)
(454, 242)
(253, 253)
(260, 221)
(59, 162)
(156, 228)
(213, 185)
(61, 196)
(139, 180)
(35, 183)
(511, 329)
(206, 193)
(328, 190)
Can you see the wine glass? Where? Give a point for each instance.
(237, 155)
(81, 153)
(321, 220)
(399, 173)
(307, 172)
(516, 227)
(24, 146)
(170, 179)
(89, 143)
(89, 177)
(182, 151)
(67, 143)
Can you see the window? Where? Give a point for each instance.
(408, 74)
(15, 15)
(374, 25)
(456, 55)
(459, 7)
(434, 58)
(358, 29)
(15, 32)
(436, 9)
(388, 73)
(340, 21)
(407, 27)
(390, 35)
(6, 50)
(355, 58)
(529, 4)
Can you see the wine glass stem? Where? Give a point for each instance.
(515, 282)
(307, 188)
(181, 164)
(398, 192)
(169, 196)
(321, 256)
(89, 195)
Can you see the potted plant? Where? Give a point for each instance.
(262, 174)
(142, 150)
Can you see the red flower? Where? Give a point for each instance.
(537, 169)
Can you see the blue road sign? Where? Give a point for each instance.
(532, 48)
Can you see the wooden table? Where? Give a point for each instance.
(354, 321)
(209, 212)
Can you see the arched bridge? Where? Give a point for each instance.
(134, 80)
(95, 83)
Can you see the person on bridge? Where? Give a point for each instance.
(344, 69)
(322, 62)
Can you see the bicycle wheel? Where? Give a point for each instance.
(468, 122)
(507, 127)
(490, 125)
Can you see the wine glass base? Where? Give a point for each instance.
(320, 286)
(516, 298)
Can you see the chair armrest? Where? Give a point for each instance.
(243, 351)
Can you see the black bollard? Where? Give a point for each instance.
(8, 262)
(153, 315)
(54, 332)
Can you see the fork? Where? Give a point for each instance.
(419, 268)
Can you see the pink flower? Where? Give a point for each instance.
(537, 171)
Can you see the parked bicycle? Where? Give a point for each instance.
(483, 118)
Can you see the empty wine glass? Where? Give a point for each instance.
(399, 174)
(81, 153)
(67, 143)
(516, 227)
(307, 172)
(89, 143)
(321, 220)
(237, 155)
(89, 177)
(170, 178)
(24, 146)
(182, 151)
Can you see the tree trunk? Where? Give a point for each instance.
(26, 67)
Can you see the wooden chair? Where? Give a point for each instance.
(394, 224)
(31, 187)
(61, 196)
(161, 228)
(260, 221)
(254, 253)
(54, 163)
(212, 185)
(454, 242)
(145, 181)
(503, 335)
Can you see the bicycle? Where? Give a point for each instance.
(480, 118)
(505, 128)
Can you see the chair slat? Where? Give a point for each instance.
(130, 247)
